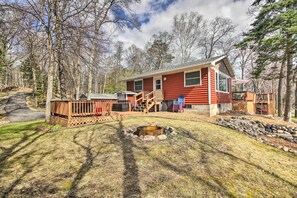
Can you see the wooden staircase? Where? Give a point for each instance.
(144, 102)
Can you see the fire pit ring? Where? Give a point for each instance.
(149, 130)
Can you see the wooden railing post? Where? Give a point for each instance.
(69, 109)
(142, 96)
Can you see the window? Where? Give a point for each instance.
(188, 106)
(138, 85)
(192, 78)
(158, 84)
(222, 82)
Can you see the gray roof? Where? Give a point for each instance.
(101, 96)
(172, 68)
(127, 92)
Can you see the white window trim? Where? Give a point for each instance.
(141, 86)
(190, 71)
(227, 77)
(154, 83)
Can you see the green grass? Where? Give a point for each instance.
(203, 160)
(20, 129)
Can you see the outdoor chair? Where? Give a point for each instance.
(181, 103)
(98, 111)
(175, 106)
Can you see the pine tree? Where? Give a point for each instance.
(273, 35)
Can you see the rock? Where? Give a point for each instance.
(286, 149)
(173, 133)
(149, 138)
(162, 137)
(135, 136)
(286, 136)
(280, 131)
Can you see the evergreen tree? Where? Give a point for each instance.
(159, 51)
(273, 35)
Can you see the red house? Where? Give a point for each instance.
(205, 84)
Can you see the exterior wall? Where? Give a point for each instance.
(222, 67)
(173, 87)
(201, 109)
(130, 85)
(131, 98)
(148, 84)
(219, 97)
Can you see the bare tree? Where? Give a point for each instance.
(134, 57)
(215, 34)
(187, 29)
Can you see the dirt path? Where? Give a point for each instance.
(16, 109)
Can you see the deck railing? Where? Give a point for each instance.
(77, 108)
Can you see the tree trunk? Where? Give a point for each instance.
(50, 81)
(61, 70)
(90, 80)
(288, 105)
(34, 85)
(280, 84)
(77, 87)
(104, 83)
(296, 99)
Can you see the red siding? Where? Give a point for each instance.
(173, 87)
(131, 98)
(130, 85)
(148, 84)
(219, 97)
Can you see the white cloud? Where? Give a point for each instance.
(162, 21)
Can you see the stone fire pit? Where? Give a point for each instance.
(149, 133)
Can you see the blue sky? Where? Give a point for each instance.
(157, 15)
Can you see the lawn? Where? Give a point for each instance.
(203, 160)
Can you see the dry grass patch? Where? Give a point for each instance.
(98, 161)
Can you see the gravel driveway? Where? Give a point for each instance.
(16, 109)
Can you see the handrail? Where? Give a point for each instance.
(141, 98)
(149, 100)
(81, 108)
(151, 93)
(138, 94)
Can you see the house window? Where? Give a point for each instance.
(188, 106)
(158, 84)
(222, 82)
(192, 78)
(138, 85)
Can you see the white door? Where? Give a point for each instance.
(158, 88)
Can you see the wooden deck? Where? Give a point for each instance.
(82, 112)
(253, 103)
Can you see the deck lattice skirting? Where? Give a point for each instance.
(78, 121)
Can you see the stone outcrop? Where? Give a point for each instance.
(257, 129)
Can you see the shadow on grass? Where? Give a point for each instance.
(131, 178)
(28, 169)
(15, 148)
(187, 173)
(189, 135)
(86, 166)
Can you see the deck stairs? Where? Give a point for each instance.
(145, 101)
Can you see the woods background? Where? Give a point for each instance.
(62, 48)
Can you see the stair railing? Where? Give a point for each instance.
(149, 98)
(139, 99)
